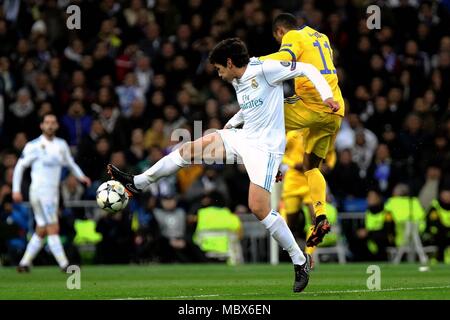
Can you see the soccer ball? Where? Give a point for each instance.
(111, 196)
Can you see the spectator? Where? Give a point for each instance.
(173, 120)
(137, 119)
(77, 123)
(125, 62)
(383, 173)
(379, 229)
(381, 117)
(19, 142)
(210, 181)
(438, 222)
(215, 216)
(344, 179)
(238, 184)
(429, 190)
(404, 208)
(363, 150)
(71, 189)
(7, 79)
(175, 244)
(151, 44)
(144, 73)
(94, 164)
(129, 92)
(117, 239)
(74, 53)
(114, 125)
(22, 114)
(412, 138)
(155, 136)
(14, 226)
(137, 151)
(147, 233)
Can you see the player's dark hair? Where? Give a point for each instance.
(233, 48)
(287, 20)
(42, 118)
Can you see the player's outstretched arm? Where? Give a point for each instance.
(314, 75)
(276, 72)
(283, 55)
(74, 168)
(235, 121)
(320, 83)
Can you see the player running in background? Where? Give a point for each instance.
(260, 143)
(306, 109)
(46, 155)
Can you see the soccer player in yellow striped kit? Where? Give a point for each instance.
(306, 110)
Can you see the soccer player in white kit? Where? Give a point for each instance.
(46, 155)
(260, 143)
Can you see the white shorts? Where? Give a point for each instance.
(261, 166)
(45, 209)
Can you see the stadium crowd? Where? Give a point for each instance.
(138, 69)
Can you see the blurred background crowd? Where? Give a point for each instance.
(138, 69)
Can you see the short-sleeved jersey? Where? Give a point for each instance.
(310, 46)
(260, 96)
(46, 158)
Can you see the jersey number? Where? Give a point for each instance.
(325, 69)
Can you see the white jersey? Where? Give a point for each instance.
(260, 95)
(46, 158)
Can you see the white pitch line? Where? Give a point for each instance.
(301, 294)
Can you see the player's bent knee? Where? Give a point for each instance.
(53, 229)
(187, 151)
(41, 232)
(311, 161)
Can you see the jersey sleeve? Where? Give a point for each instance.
(236, 120)
(289, 50)
(29, 154)
(70, 162)
(276, 72)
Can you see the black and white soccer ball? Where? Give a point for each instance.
(111, 196)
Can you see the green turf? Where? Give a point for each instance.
(251, 281)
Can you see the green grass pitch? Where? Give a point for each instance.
(213, 281)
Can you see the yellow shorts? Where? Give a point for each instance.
(293, 204)
(295, 184)
(319, 129)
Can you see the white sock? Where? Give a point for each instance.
(54, 242)
(33, 248)
(163, 168)
(280, 231)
